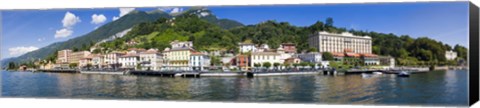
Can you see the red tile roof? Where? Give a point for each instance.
(352, 54)
(369, 55)
(338, 54)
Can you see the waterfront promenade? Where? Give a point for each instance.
(256, 73)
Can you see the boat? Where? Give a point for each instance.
(364, 75)
(377, 73)
(403, 74)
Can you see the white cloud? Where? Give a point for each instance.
(97, 19)
(17, 51)
(70, 20)
(62, 33)
(123, 12)
(176, 10)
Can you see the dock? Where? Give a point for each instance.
(104, 72)
(154, 73)
(386, 71)
(58, 70)
(222, 74)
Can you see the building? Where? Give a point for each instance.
(246, 47)
(98, 61)
(129, 61)
(289, 47)
(262, 48)
(262, 57)
(48, 65)
(181, 44)
(131, 43)
(312, 57)
(62, 56)
(199, 61)
(450, 55)
(84, 62)
(283, 54)
(111, 60)
(242, 62)
(387, 61)
(228, 61)
(292, 60)
(329, 42)
(178, 57)
(370, 59)
(338, 56)
(75, 57)
(151, 60)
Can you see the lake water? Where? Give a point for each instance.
(446, 88)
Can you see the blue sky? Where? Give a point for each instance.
(26, 30)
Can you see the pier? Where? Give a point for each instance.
(155, 73)
(59, 70)
(196, 74)
(104, 72)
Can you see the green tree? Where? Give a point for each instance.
(327, 56)
(295, 65)
(329, 22)
(287, 65)
(462, 52)
(256, 65)
(312, 49)
(97, 51)
(73, 65)
(304, 64)
(276, 65)
(215, 61)
(312, 65)
(267, 65)
(12, 66)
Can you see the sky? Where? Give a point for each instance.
(28, 30)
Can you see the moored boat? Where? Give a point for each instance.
(403, 74)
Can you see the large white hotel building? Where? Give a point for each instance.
(337, 43)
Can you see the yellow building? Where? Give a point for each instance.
(75, 57)
(178, 57)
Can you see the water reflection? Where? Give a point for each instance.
(438, 87)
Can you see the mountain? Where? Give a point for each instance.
(206, 14)
(108, 30)
(156, 29)
(103, 32)
(205, 34)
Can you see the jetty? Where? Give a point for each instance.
(58, 70)
(254, 74)
(222, 74)
(154, 73)
(103, 72)
(387, 71)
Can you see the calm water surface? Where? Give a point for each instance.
(433, 88)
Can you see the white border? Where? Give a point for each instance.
(75, 103)
(50, 4)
